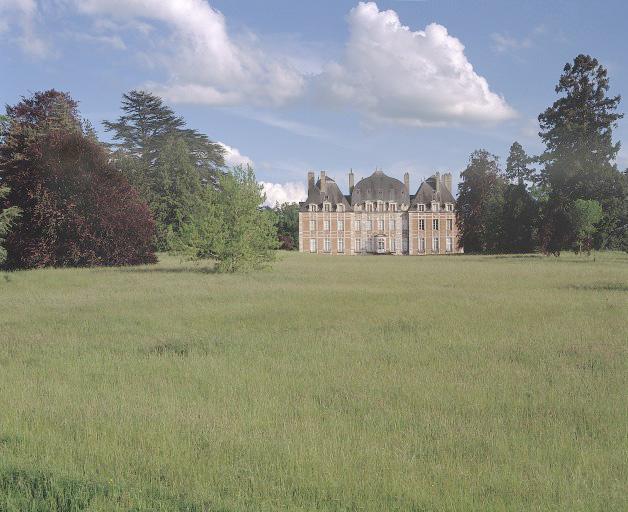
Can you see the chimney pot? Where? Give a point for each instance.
(323, 181)
(406, 181)
(310, 180)
(351, 177)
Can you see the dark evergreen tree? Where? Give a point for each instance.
(480, 203)
(579, 159)
(519, 218)
(287, 225)
(7, 217)
(518, 168)
(143, 150)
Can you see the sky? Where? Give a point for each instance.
(291, 86)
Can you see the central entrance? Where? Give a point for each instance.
(380, 244)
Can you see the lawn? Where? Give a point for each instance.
(463, 383)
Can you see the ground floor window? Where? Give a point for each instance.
(358, 245)
(449, 244)
(421, 245)
(370, 245)
(341, 245)
(312, 244)
(435, 245)
(393, 245)
(327, 245)
(381, 245)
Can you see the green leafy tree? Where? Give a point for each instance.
(519, 219)
(480, 203)
(7, 217)
(166, 161)
(234, 230)
(518, 168)
(579, 159)
(287, 225)
(583, 216)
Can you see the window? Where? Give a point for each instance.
(421, 224)
(434, 207)
(313, 208)
(357, 225)
(421, 245)
(392, 224)
(340, 208)
(450, 224)
(449, 207)
(370, 245)
(420, 207)
(449, 244)
(341, 225)
(381, 245)
(369, 207)
(312, 225)
(435, 245)
(358, 245)
(435, 224)
(369, 225)
(327, 207)
(312, 244)
(392, 207)
(341, 245)
(380, 224)
(326, 225)
(327, 245)
(393, 245)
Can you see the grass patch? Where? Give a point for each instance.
(469, 383)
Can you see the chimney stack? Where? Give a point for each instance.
(310, 180)
(406, 181)
(447, 180)
(351, 181)
(437, 178)
(323, 181)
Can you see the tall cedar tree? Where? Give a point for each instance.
(578, 162)
(287, 225)
(145, 150)
(479, 207)
(517, 165)
(235, 231)
(76, 209)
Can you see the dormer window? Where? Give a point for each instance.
(380, 206)
(313, 208)
(392, 207)
(340, 207)
(434, 207)
(326, 207)
(420, 207)
(449, 207)
(369, 207)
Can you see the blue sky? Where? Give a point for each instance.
(294, 86)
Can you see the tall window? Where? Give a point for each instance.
(421, 245)
(435, 245)
(356, 225)
(312, 225)
(327, 245)
(358, 245)
(450, 224)
(341, 225)
(421, 224)
(327, 207)
(435, 224)
(393, 245)
(435, 207)
(312, 244)
(326, 225)
(449, 244)
(380, 224)
(381, 245)
(341, 245)
(420, 207)
(392, 224)
(369, 225)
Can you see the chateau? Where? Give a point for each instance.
(379, 216)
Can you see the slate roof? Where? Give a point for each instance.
(332, 194)
(379, 187)
(427, 193)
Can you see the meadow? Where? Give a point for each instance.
(463, 383)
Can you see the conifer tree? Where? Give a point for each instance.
(7, 217)
(517, 165)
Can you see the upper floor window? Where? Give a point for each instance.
(435, 224)
(326, 225)
(341, 225)
(420, 207)
(369, 225)
(421, 224)
(312, 225)
(450, 224)
(392, 224)
(380, 224)
(356, 225)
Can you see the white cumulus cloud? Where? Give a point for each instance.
(205, 63)
(233, 156)
(291, 192)
(417, 78)
(18, 18)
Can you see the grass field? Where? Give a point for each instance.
(371, 383)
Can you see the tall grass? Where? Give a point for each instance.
(367, 383)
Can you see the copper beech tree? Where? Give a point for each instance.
(76, 208)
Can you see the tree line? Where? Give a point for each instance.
(572, 196)
(67, 199)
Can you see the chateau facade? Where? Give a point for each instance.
(378, 216)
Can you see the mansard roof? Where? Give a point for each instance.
(427, 192)
(331, 194)
(379, 187)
